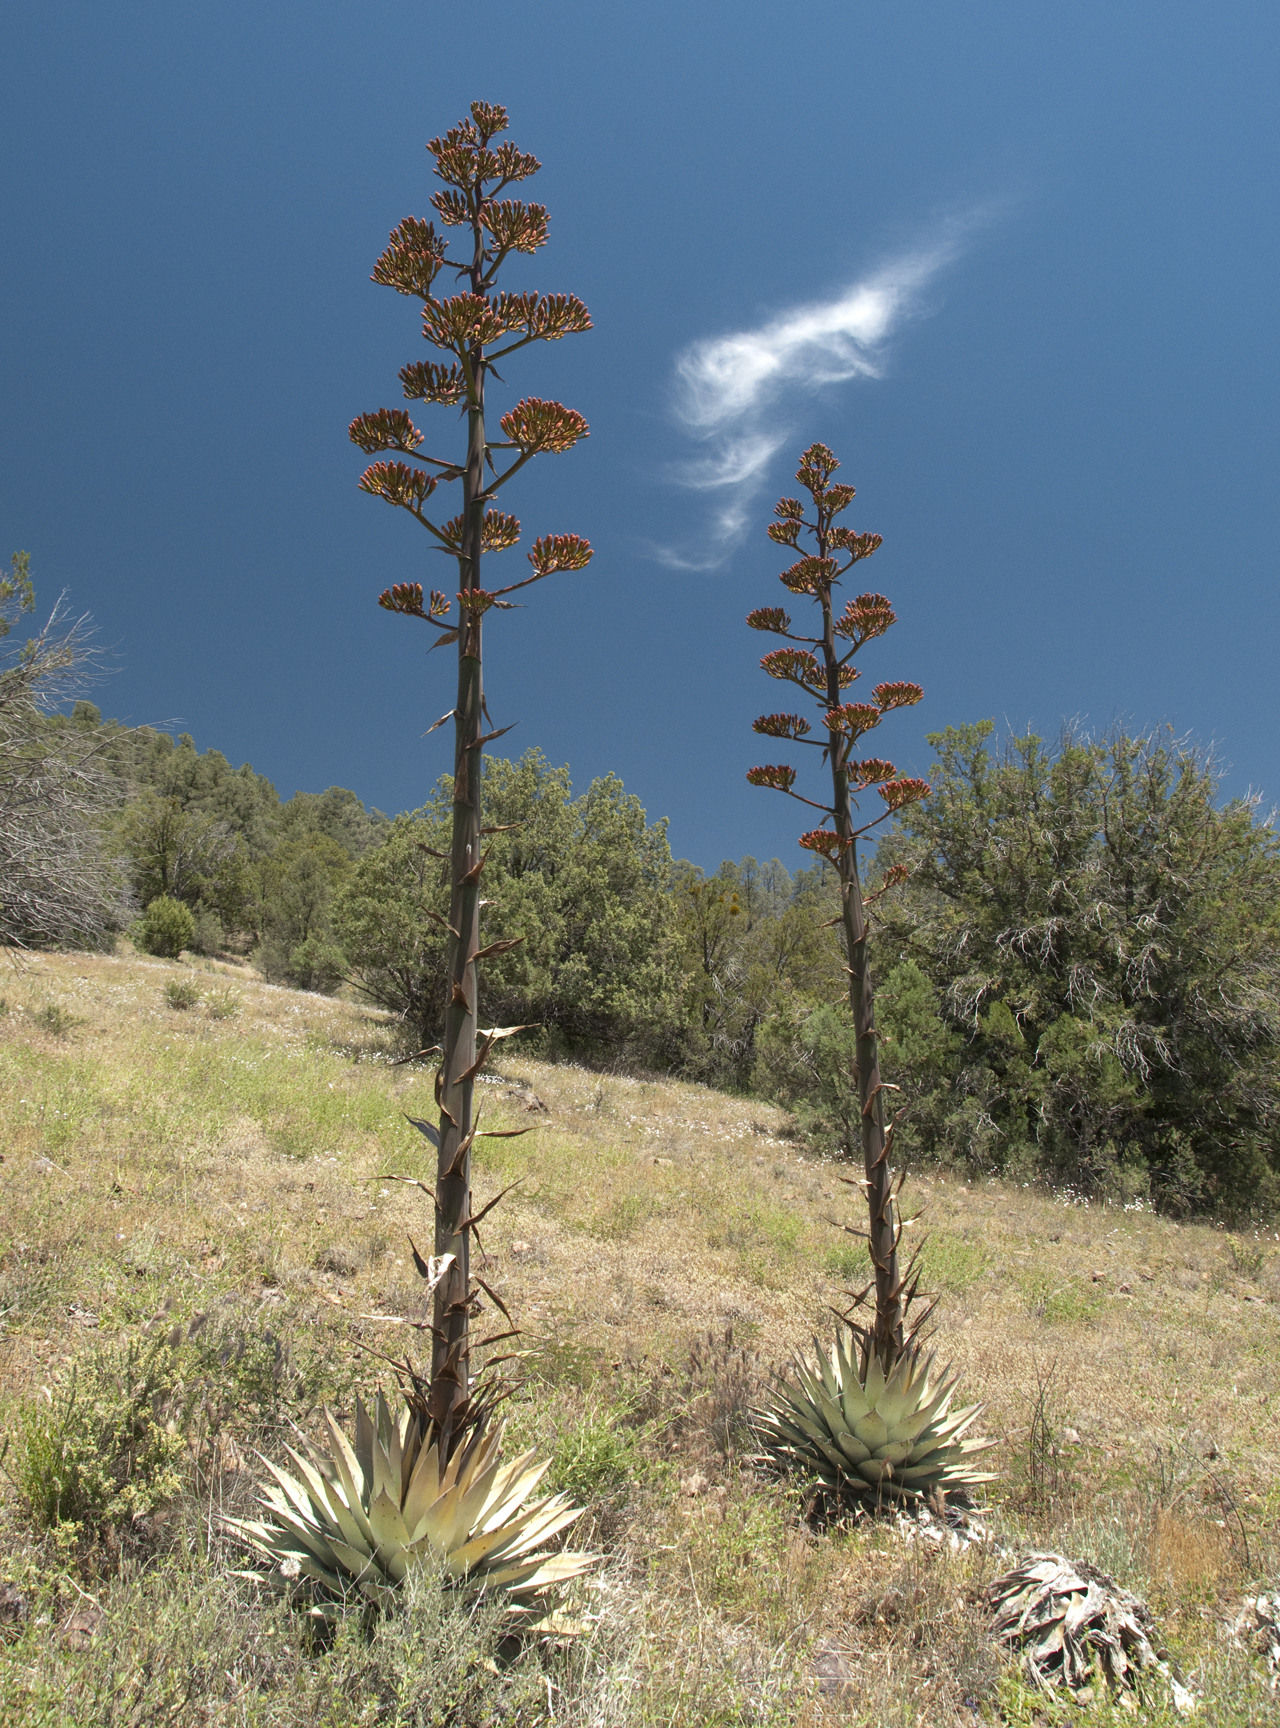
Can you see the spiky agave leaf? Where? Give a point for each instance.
(867, 1436)
(361, 1517)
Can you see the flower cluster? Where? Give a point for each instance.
(826, 666)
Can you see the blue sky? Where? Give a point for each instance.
(1016, 263)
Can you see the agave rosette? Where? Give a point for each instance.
(364, 1517)
(868, 1435)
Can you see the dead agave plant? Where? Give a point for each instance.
(1074, 1627)
(871, 1418)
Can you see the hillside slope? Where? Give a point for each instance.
(233, 1157)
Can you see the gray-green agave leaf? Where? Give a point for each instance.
(869, 1436)
(361, 1518)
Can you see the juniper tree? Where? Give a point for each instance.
(473, 329)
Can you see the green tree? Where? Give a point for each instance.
(144, 761)
(185, 853)
(806, 1059)
(294, 886)
(473, 329)
(755, 945)
(337, 814)
(388, 917)
(166, 927)
(1104, 937)
(584, 880)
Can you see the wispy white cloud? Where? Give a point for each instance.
(735, 395)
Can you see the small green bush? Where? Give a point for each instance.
(208, 936)
(105, 1443)
(53, 1017)
(597, 1458)
(1246, 1256)
(166, 927)
(181, 993)
(222, 1004)
(181, 1641)
(117, 1435)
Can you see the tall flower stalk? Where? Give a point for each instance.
(821, 666)
(473, 329)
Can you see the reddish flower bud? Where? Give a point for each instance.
(817, 465)
(852, 718)
(466, 321)
(424, 381)
(797, 664)
(490, 118)
(534, 425)
(513, 164)
(412, 261)
(808, 575)
(779, 777)
(867, 616)
(901, 695)
(454, 208)
(781, 725)
(408, 487)
(824, 842)
(769, 618)
(476, 600)
(497, 533)
(899, 793)
(515, 227)
(552, 552)
(871, 772)
(560, 315)
(405, 597)
(388, 429)
(861, 545)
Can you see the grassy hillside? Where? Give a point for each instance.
(230, 1159)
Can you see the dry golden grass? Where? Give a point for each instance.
(237, 1155)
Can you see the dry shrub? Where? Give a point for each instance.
(720, 1387)
(905, 1636)
(1189, 1557)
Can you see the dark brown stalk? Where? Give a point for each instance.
(882, 1244)
(452, 1297)
(466, 327)
(825, 676)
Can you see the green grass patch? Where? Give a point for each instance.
(1060, 1304)
(951, 1265)
(624, 1216)
(599, 1457)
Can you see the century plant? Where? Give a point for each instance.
(361, 1518)
(473, 329)
(872, 1418)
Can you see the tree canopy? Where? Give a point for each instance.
(1101, 937)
